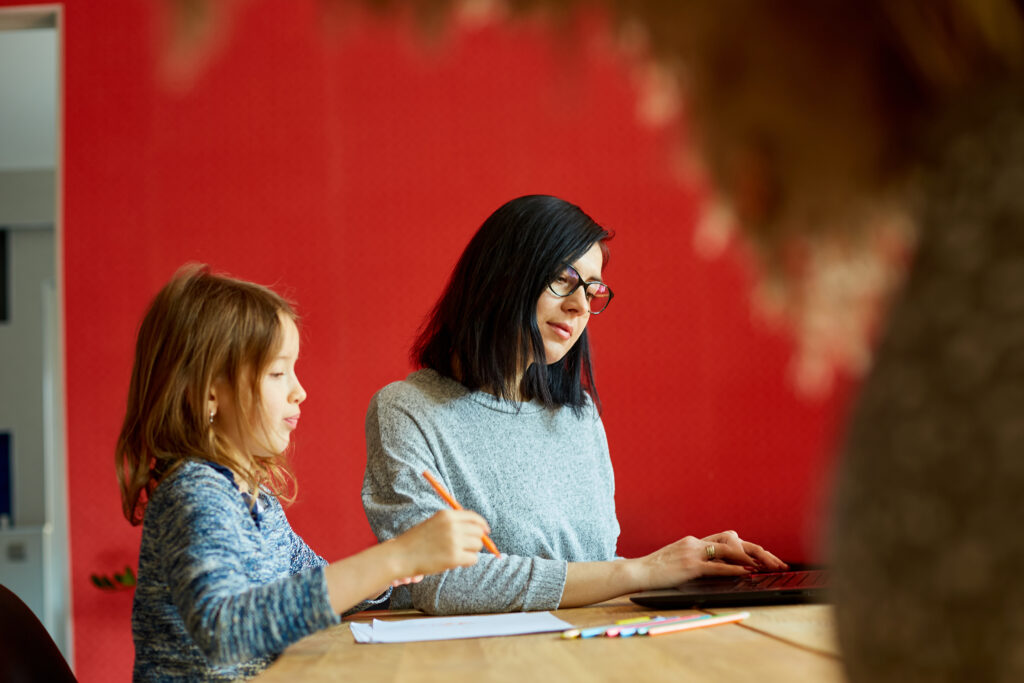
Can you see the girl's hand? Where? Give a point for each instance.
(723, 554)
(451, 538)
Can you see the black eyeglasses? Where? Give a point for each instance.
(599, 295)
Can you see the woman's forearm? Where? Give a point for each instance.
(590, 582)
(722, 554)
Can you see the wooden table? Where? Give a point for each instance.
(780, 643)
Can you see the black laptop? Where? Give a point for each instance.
(768, 588)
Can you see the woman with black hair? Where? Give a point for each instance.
(505, 412)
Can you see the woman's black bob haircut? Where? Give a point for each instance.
(475, 334)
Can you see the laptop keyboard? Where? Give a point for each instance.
(768, 588)
(812, 578)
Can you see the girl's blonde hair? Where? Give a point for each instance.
(200, 329)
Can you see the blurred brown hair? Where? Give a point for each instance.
(200, 328)
(826, 102)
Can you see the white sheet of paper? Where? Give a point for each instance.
(450, 628)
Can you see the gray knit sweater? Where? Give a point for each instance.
(221, 589)
(541, 478)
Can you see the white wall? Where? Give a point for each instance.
(28, 98)
(34, 556)
(31, 260)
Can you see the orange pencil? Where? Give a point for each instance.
(689, 624)
(455, 504)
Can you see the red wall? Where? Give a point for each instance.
(350, 172)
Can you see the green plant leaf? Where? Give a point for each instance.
(102, 582)
(121, 581)
(126, 579)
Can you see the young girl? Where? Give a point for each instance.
(224, 584)
(506, 410)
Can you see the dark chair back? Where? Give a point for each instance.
(27, 652)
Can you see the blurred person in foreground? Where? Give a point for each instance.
(856, 142)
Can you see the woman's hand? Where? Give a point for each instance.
(722, 554)
(406, 580)
(451, 538)
(728, 544)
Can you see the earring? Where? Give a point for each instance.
(211, 417)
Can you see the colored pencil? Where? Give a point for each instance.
(598, 630)
(641, 629)
(455, 504)
(697, 623)
(630, 625)
(603, 630)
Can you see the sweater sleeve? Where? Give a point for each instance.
(229, 617)
(304, 557)
(396, 497)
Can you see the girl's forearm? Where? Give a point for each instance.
(362, 576)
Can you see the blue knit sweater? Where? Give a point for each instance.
(222, 589)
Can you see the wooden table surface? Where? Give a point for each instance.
(779, 643)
